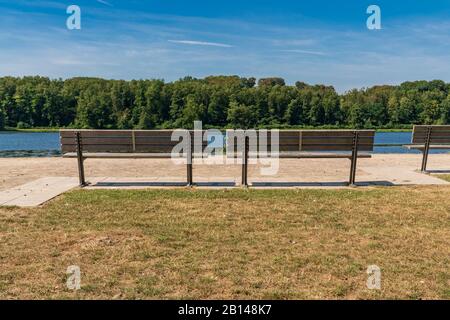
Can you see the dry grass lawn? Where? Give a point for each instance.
(257, 244)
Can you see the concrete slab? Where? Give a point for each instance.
(37, 192)
(402, 176)
(370, 176)
(381, 170)
(18, 171)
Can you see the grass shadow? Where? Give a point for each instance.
(319, 184)
(162, 184)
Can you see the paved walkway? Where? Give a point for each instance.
(372, 177)
(37, 192)
(381, 170)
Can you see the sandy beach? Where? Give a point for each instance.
(382, 167)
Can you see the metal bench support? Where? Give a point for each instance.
(80, 160)
(354, 159)
(245, 162)
(426, 151)
(189, 160)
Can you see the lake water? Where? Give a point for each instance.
(33, 144)
(39, 144)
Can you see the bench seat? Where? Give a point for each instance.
(282, 155)
(422, 147)
(107, 155)
(307, 155)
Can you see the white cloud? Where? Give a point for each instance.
(201, 43)
(295, 42)
(316, 53)
(106, 3)
(135, 45)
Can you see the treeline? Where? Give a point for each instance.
(218, 101)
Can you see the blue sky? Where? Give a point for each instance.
(312, 41)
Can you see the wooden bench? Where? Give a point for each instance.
(158, 144)
(122, 144)
(426, 138)
(315, 144)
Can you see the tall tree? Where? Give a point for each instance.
(218, 101)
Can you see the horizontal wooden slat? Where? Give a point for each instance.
(97, 133)
(142, 145)
(290, 155)
(282, 138)
(154, 149)
(433, 146)
(336, 133)
(336, 140)
(326, 143)
(68, 148)
(361, 147)
(98, 148)
(109, 141)
(436, 135)
(335, 148)
(120, 155)
(421, 129)
(300, 155)
(433, 135)
(154, 134)
(281, 148)
(293, 155)
(438, 140)
(104, 140)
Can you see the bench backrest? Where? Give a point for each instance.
(119, 141)
(438, 134)
(317, 140)
(160, 141)
(336, 140)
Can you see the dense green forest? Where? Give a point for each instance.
(219, 101)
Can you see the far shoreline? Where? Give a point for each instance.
(53, 130)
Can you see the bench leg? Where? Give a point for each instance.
(424, 161)
(80, 160)
(189, 175)
(244, 175)
(190, 179)
(426, 151)
(352, 179)
(245, 163)
(81, 172)
(354, 160)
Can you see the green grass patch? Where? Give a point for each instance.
(445, 177)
